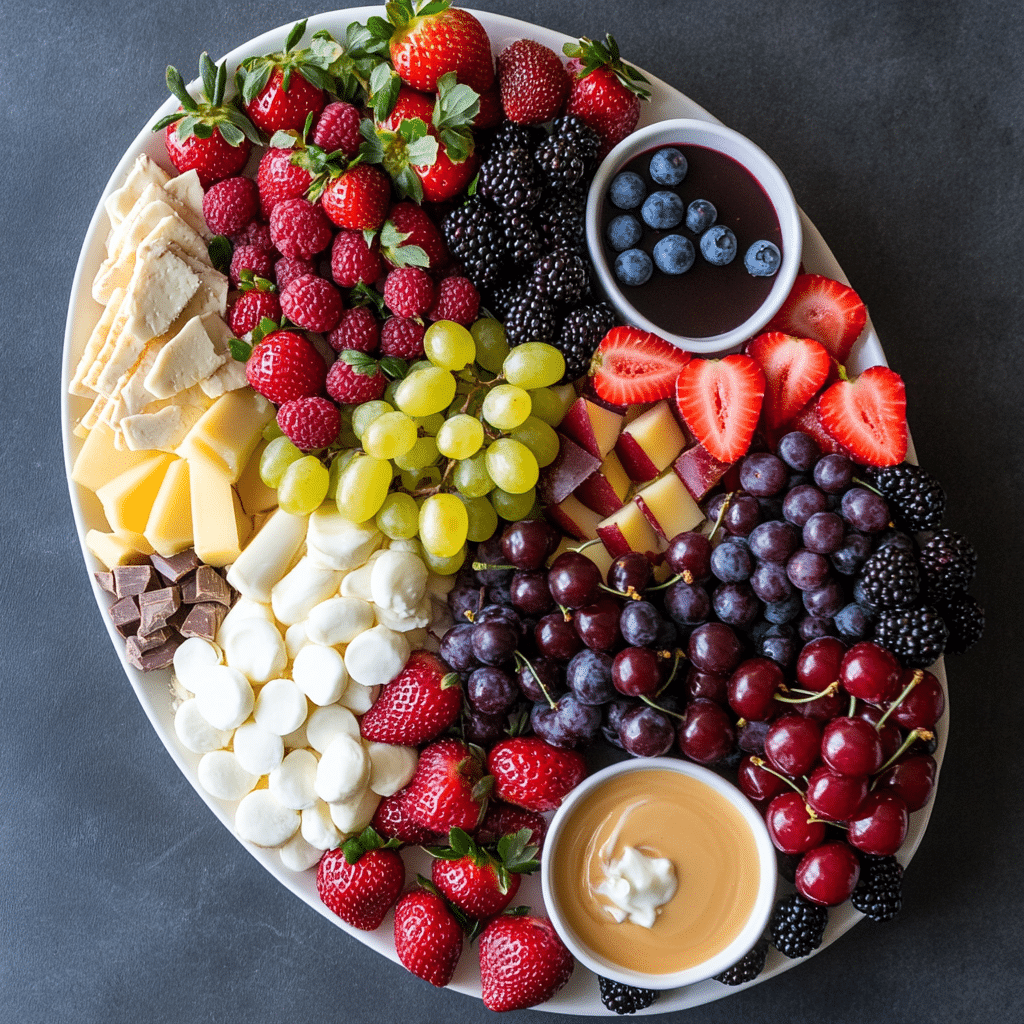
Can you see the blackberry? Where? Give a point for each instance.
(581, 333)
(948, 562)
(917, 636)
(797, 926)
(965, 620)
(583, 137)
(560, 161)
(523, 240)
(879, 893)
(561, 276)
(888, 579)
(474, 235)
(621, 998)
(504, 295)
(913, 494)
(509, 135)
(748, 968)
(561, 218)
(510, 179)
(530, 318)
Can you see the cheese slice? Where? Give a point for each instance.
(144, 172)
(118, 548)
(230, 376)
(185, 194)
(254, 494)
(145, 431)
(229, 431)
(188, 358)
(99, 462)
(95, 344)
(127, 500)
(220, 527)
(169, 527)
(161, 285)
(91, 379)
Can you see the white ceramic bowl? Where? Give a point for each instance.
(686, 131)
(759, 912)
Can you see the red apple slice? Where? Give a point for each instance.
(592, 426)
(606, 490)
(650, 443)
(571, 467)
(699, 470)
(668, 506)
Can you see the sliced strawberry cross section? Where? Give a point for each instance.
(632, 367)
(868, 415)
(794, 369)
(820, 308)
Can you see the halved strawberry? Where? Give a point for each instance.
(808, 420)
(794, 369)
(720, 401)
(868, 415)
(820, 308)
(631, 366)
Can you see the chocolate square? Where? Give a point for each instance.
(174, 568)
(130, 580)
(106, 581)
(157, 658)
(156, 608)
(204, 585)
(125, 616)
(203, 620)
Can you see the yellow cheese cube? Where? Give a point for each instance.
(118, 548)
(256, 496)
(220, 527)
(228, 432)
(99, 461)
(128, 499)
(169, 528)
(668, 506)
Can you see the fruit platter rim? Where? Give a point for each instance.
(152, 690)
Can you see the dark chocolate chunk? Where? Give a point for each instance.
(174, 567)
(204, 620)
(157, 607)
(206, 584)
(141, 644)
(157, 658)
(106, 581)
(133, 579)
(125, 616)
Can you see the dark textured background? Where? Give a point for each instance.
(901, 129)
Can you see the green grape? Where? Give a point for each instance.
(342, 460)
(425, 392)
(534, 365)
(422, 454)
(506, 406)
(549, 405)
(389, 393)
(363, 415)
(445, 566)
(417, 479)
(540, 438)
(272, 430)
(511, 465)
(460, 437)
(303, 486)
(513, 507)
(430, 424)
(420, 364)
(279, 454)
(399, 516)
(471, 477)
(362, 488)
(389, 435)
(449, 345)
(491, 346)
(347, 439)
(444, 523)
(483, 520)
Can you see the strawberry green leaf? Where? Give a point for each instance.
(298, 30)
(410, 256)
(390, 236)
(460, 842)
(379, 28)
(456, 104)
(220, 85)
(412, 129)
(458, 143)
(394, 367)
(187, 126)
(361, 363)
(170, 119)
(364, 295)
(433, 8)
(422, 152)
(483, 788)
(255, 81)
(208, 73)
(220, 250)
(176, 84)
(372, 149)
(239, 120)
(202, 130)
(383, 87)
(408, 184)
(240, 350)
(263, 328)
(232, 135)
(315, 76)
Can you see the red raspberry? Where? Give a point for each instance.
(312, 302)
(255, 233)
(400, 336)
(251, 308)
(457, 299)
(338, 128)
(251, 257)
(230, 205)
(310, 423)
(353, 261)
(287, 268)
(409, 291)
(358, 330)
(284, 365)
(298, 228)
(278, 178)
(355, 378)
(411, 219)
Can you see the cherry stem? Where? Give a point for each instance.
(679, 656)
(675, 579)
(869, 486)
(912, 737)
(481, 566)
(914, 680)
(587, 544)
(630, 592)
(853, 707)
(829, 691)
(759, 762)
(520, 661)
(657, 707)
(721, 514)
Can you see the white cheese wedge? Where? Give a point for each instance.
(188, 358)
(144, 172)
(186, 196)
(95, 344)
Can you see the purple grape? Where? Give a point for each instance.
(639, 622)
(503, 613)
(824, 601)
(807, 570)
(774, 541)
(852, 553)
(762, 474)
(668, 635)
(709, 685)
(786, 610)
(780, 643)
(500, 594)
(550, 674)
(802, 502)
(898, 539)
(492, 691)
(529, 592)
(457, 647)
(489, 552)
(823, 533)
(687, 604)
(750, 737)
(494, 643)
(598, 624)
(853, 622)
(742, 515)
(732, 562)
(613, 714)
(589, 676)
(568, 724)
(798, 450)
(833, 473)
(865, 510)
(813, 627)
(465, 600)
(735, 604)
(484, 730)
(770, 582)
(646, 732)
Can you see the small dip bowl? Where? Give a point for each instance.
(706, 309)
(721, 853)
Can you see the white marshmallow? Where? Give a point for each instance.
(338, 620)
(258, 750)
(405, 622)
(355, 814)
(195, 733)
(243, 610)
(304, 586)
(298, 855)
(262, 821)
(343, 771)
(357, 582)
(267, 556)
(376, 656)
(337, 543)
(280, 707)
(398, 582)
(391, 767)
(256, 648)
(325, 723)
(359, 699)
(194, 654)
(224, 696)
(293, 781)
(222, 776)
(295, 639)
(317, 827)
(320, 673)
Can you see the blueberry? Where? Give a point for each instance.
(668, 166)
(700, 215)
(762, 259)
(674, 254)
(624, 232)
(627, 190)
(662, 210)
(718, 245)
(633, 267)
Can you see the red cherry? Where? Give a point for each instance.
(870, 672)
(598, 625)
(912, 779)
(819, 661)
(790, 824)
(793, 744)
(924, 705)
(851, 746)
(828, 874)
(756, 783)
(752, 688)
(835, 796)
(707, 684)
(706, 734)
(889, 734)
(880, 824)
(636, 672)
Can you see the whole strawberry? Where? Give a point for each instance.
(392, 821)
(533, 82)
(449, 789)
(357, 198)
(310, 423)
(312, 303)
(428, 937)
(252, 307)
(354, 378)
(603, 90)
(208, 136)
(361, 880)
(523, 962)
(533, 774)
(417, 705)
(285, 365)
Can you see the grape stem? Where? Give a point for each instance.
(721, 514)
(520, 661)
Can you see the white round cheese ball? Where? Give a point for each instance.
(318, 829)
(320, 673)
(338, 620)
(398, 582)
(222, 776)
(225, 696)
(343, 771)
(376, 656)
(293, 782)
(258, 750)
(280, 706)
(256, 648)
(192, 657)
(262, 821)
(194, 732)
(325, 723)
(298, 855)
